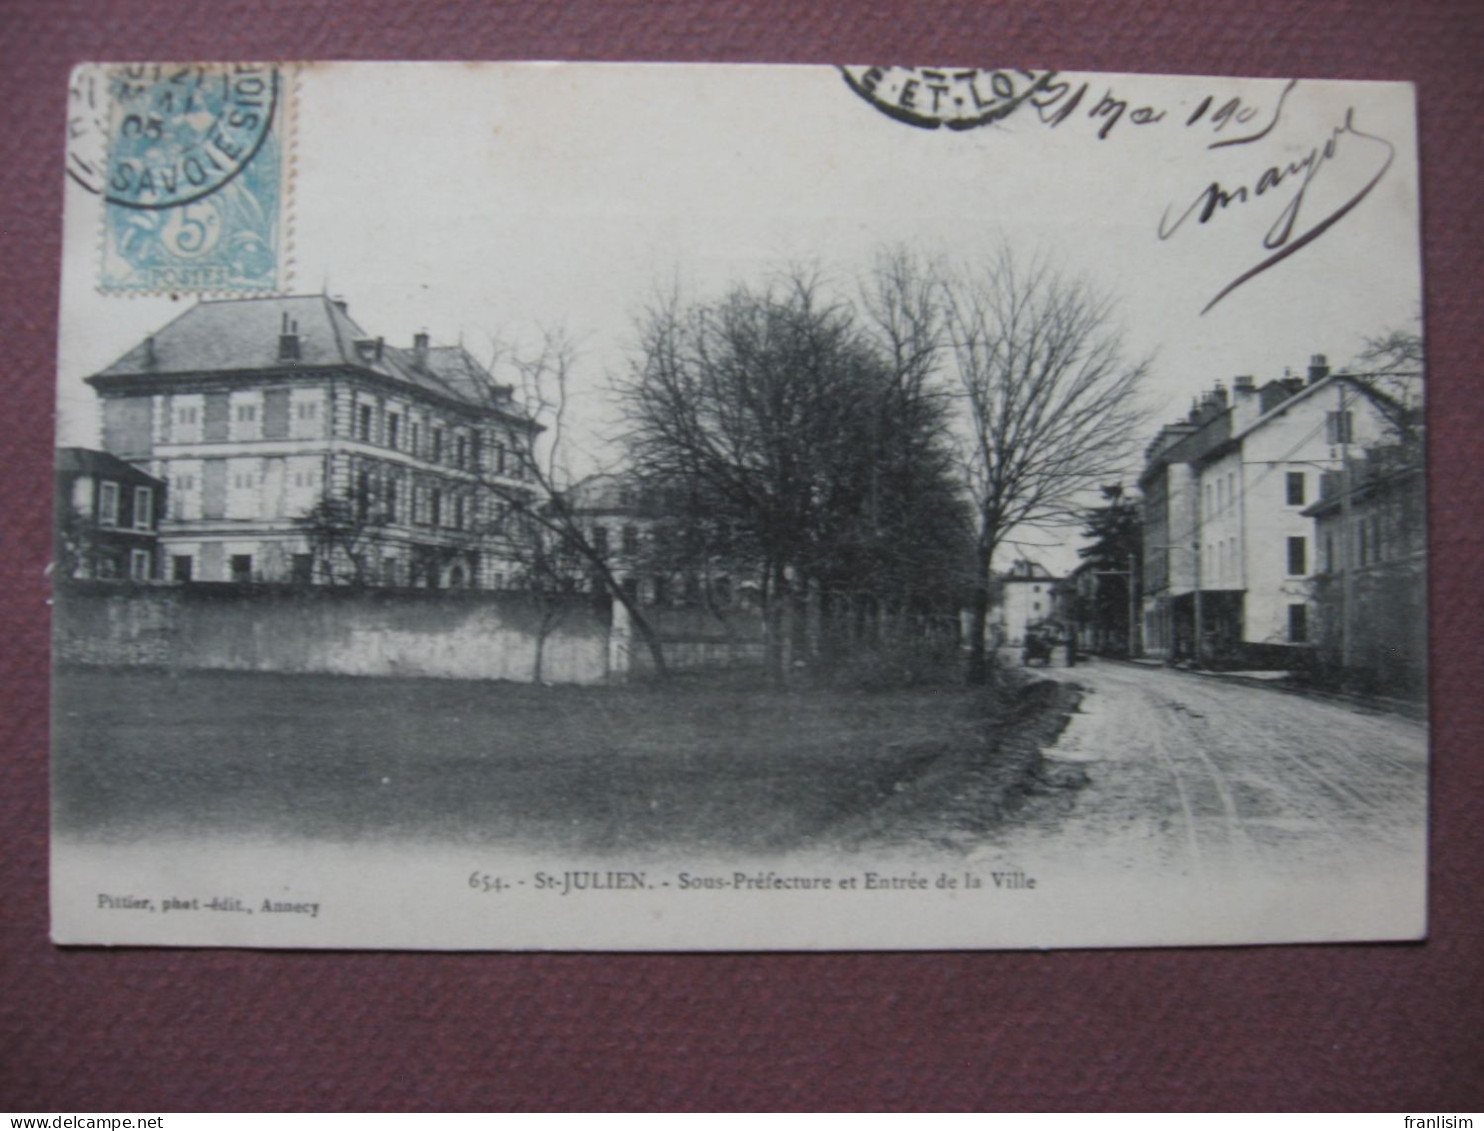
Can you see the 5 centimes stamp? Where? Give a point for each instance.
(193, 177)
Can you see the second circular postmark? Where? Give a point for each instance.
(958, 98)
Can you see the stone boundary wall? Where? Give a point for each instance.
(454, 635)
(403, 632)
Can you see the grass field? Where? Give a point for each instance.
(700, 764)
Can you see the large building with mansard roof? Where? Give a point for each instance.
(299, 448)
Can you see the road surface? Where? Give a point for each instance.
(1204, 774)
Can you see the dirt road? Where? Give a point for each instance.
(1204, 774)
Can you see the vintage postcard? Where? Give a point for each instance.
(617, 507)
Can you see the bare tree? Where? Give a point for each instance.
(919, 531)
(551, 570)
(342, 535)
(1390, 370)
(532, 492)
(1050, 403)
(1395, 352)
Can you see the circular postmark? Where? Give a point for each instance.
(179, 133)
(87, 126)
(958, 98)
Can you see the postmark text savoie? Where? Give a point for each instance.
(179, 133)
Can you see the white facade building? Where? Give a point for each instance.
(1027, 599)
(1230, 488)
(1254, 489)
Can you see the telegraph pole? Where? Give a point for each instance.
(1347, 572)
(1196, 550)
(1133, 608)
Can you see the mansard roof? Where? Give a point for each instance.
(457, 371)
(242, 336)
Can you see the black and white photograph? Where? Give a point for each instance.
(708, 507)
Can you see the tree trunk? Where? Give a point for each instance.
(775, 599)
(829, 628)
(798, 615)
(541, 632)
(978, 671)
(646, 630)
(637, 619)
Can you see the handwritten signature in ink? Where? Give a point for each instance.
(1293, 180)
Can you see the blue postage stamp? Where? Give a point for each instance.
(194, 182)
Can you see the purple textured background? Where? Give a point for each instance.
(1390, 1027)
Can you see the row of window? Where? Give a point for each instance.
(428, 444)
(1369, 547)
(1156, 624)
(242, 489)
(1222, 493)
(392, 499)
(182, 483)
(389, 570)
(240, 568)
(397, 570)
(629, 540)
(1339, 428)
(1221, 558)
(110, 505)
(220, 419)
(140, 565)
(374, 425)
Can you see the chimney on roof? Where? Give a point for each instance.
(149, 352)
(341, 305)
(420, 347)
(1218, 395)
(288, 339)
(369, 349)
(1318, 368)
(1246, 401)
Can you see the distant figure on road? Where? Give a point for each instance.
(1038, 649)
(1071, 649)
